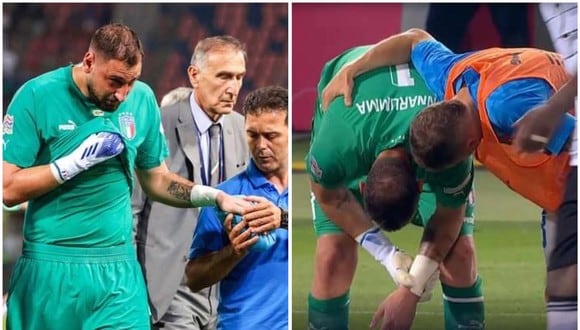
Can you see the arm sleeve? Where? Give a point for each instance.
(21, 135)
(153, 151)
(433, 61)
(512, 100)
(322, 169)
(452, 186)
(561, 135)
(209, 234)
(331, 149)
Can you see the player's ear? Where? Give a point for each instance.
(472, 144)
(88, 61)
(361, 187)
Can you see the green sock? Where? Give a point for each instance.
(328, 314)
(463, 307)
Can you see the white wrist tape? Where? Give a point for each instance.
(421, 271)
(203, 196)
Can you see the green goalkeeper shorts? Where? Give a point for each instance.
(55, 287)
(427, 204)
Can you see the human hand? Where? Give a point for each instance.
(263, 215)
(534, 129)
(396, 312)
(341, 84)
(231, 204)
(399, 266)
(265, 239)
(240, 238)
(95, 149)
(405, 279)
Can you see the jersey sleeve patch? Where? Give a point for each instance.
(314, 168)
(8, 125)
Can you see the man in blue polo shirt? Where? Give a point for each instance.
(250, 258)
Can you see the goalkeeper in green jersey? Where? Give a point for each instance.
(72, 140)
(360, 156)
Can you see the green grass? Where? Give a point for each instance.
(509, 251)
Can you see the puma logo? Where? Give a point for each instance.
(70, 126)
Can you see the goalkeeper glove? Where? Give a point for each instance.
(397, 262)
(381, 248)
(95, 149)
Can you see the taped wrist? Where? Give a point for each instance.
(421, 270)
(203, 196)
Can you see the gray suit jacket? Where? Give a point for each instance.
(164, 233)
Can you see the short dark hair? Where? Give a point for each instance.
(391, 193)
(119, 42)
(433, 134)
(266, 99)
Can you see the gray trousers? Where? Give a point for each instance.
(191, 310)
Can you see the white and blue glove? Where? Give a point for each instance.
(381, 248)
(398, 263)
(95, 149)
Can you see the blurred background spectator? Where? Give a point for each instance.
(41, 37)
(449, 22)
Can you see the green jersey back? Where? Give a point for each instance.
(345, 141)
(94, 208)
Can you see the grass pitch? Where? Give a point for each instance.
(508, 243)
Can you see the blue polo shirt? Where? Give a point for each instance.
(254, 295)
(505, 106)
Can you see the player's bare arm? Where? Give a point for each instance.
(393, 50)
(213, 267)
(163, 186)
(342, 207)
(166, 187)
(397, 311)
(22, 184)
(179, 190)
(442, 232)
(438, 238)
(536, 127)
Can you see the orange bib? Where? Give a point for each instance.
(538, 177)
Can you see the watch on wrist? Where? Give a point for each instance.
(283, 218)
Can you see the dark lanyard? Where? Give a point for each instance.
(222, 170)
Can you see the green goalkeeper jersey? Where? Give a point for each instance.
(47, 119)
(345, 141)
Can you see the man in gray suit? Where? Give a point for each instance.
(206, 140)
